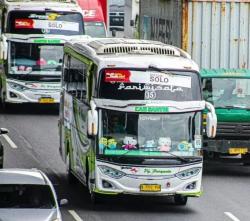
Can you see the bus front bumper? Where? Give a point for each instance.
(32, 96)
(133, 184)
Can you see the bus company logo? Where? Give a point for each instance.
(117, 76)
(133, 170)
(156, 171)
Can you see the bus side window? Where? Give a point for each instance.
(77, 79)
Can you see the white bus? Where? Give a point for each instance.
(31, 48)
(131, 118)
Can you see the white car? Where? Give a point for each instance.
(27, 194)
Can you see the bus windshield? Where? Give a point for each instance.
(95, 29)
(225, 92)
(159, 135)
(123, 84)
(42, 22)
(35, 59)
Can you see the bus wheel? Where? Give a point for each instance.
(5, 106)
(180, 200)
(70, 176)
(95, 198)
(246, 159)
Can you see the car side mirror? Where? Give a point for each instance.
(3, 131)
(63, 202)
(211, 121)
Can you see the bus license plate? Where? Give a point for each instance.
(150, 188)
(46, 100)
(238, 150)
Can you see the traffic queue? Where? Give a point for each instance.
(111, 92)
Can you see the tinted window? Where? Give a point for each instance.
(149, 85)
(40, 22)
(26, 196)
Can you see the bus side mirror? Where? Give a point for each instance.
(92, 122)
(211, 121)
(113, 33)
(3, 131)
(3, 49)
(66, 77)
(132, 23)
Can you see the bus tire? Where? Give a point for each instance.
(246, 159)
(95, 198)
(180, 200)
(5, 105)
(71, 178)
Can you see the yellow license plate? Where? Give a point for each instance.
(46, 100)
(238, 150)
(150, 188)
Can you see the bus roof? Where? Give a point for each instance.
(43, 38)
(29, 5)
(222, 73)
(34, 1)
(132, 51)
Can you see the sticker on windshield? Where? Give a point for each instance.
(152, 78)
(50, 16)
(151, 109)
(197, 141)
(46, 24)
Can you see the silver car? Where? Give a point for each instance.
(27, 195)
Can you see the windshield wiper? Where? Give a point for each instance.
(171, 154)
(164, 71)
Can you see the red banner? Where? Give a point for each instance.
(117, 75)
(24, 23)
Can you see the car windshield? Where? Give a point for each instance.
(42, 22)
(26, 196)
(227, 92)
(35, 59)
(95, 29)
(124, 84)
(141, 135)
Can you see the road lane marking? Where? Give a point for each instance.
(9, 141)
(75, 215)
(231, 216)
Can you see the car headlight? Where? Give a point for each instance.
(17, 87)
(185, 174)
(111, 172)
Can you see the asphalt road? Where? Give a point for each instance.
(34, 131)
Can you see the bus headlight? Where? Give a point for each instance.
(17, 87)
(111, 172)
(186, 174)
